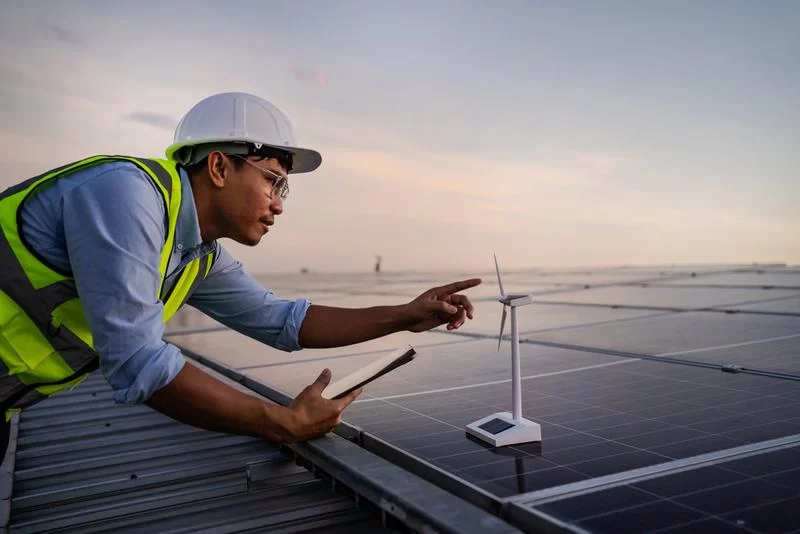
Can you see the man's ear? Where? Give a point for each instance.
(217, 168)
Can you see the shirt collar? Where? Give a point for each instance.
(187, 235)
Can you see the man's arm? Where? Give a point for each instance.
(196, 398)
(327, 326)
(236, 299)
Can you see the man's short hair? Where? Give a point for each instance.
(193, 156)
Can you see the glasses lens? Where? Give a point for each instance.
(281, 187)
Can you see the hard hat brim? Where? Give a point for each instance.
(305, 159)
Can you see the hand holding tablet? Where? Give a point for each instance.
(367, 374)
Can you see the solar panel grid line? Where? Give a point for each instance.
(619, 353)
(701, 516)
(720, 286)
(592, 323)
(644, 280)
(736, 311)
(721, 396)
(482, 384)
(424, 415)
(787, 389)
(666, 359)
(768, 496)
(759, 492)
(729, 346)
(718, 308)
(669, 468)
(539, 521)
(747, 367)
(338, 357)
(517, 475)
(680, 500)
(789, 380)
(615, 306)
(777, 514)
(675, 387)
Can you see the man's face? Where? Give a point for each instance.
(251, 204)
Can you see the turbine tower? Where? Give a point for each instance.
(504, 428)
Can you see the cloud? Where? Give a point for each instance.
(64, 35)
(310, 76)
(156, 120)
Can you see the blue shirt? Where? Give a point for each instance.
(106, 226)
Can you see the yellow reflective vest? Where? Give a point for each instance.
(45, 340)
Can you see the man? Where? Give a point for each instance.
(99, 254)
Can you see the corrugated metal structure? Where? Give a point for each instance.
(84, 464)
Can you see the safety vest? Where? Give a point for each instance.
(45, 341)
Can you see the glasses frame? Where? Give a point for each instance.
(280, 183)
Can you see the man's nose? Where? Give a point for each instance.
(276, 205)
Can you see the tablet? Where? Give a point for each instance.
(367, 374)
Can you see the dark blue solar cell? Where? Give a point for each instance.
(739, 495)
(781, 516)
(597, 503)
(689, 481)
(706, 526)
(645, 518)
(495, 426)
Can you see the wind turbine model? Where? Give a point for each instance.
(503, 428)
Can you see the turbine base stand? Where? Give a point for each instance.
(502, 429)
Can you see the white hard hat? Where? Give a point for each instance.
(239, 118)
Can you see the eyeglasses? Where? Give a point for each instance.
(280, 184)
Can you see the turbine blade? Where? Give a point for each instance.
(499, 278)
(502, 326)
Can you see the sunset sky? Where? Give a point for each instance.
(554, 134)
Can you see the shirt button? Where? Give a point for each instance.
(180, 246)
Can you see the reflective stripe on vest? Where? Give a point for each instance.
(45, 342)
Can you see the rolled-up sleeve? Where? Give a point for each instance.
(233, 297)
(114, 231)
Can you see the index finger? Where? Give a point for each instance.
(461, 285)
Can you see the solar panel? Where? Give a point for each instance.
(603, 412)
(777, 279)
(537, 318)
(758, 492)
(766, 342)
(677, 298)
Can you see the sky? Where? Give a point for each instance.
(554, 134)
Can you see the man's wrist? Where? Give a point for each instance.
(278, 423)
(403, 318)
